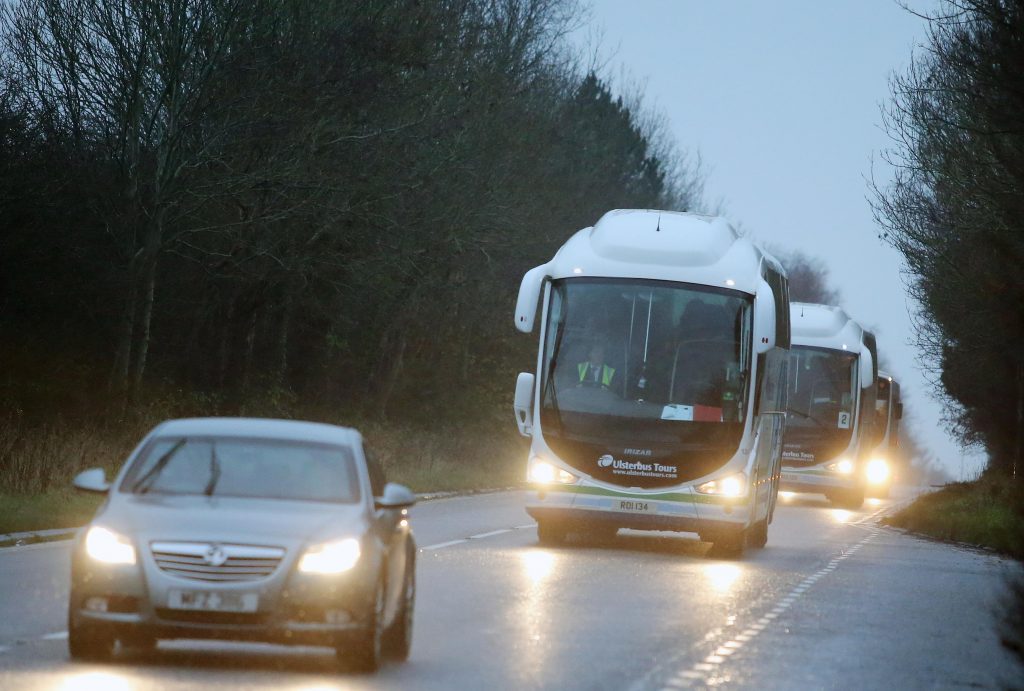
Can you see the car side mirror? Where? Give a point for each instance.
(523, 403)
(92, 480)
(395, 496)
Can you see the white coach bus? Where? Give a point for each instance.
(888, 413)
(831, 413)
(659, 398)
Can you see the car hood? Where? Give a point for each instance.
(230, 519)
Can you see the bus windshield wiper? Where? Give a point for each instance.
(214, 471)
(144, 483)
(820, 423)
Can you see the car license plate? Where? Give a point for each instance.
(213, 600)
(635, 506)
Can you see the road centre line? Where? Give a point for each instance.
(478, 536)
(58, 636)
(700, 673)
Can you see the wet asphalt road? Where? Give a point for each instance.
(833, 602)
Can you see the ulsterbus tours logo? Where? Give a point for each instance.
(636, 468)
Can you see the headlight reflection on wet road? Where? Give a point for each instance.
(95, 681)
(841, 515)
(537, 565)
(722, 576)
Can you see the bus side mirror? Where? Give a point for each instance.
(529, 294)
(523, 403)
(899, 411)
(867, 374)
(764, 319)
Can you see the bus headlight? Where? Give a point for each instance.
(843, 466)
(545, 473)
(729, 486)
(877, 471)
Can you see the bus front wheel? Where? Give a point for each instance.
(726, 544)
(851, 499)
(551, 533)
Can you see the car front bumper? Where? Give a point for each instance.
(292, 607)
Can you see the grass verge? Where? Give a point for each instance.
(985, 512)
(37, 465)
(46, 510)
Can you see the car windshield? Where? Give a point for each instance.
(236, 467)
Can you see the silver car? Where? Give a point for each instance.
(246, 529)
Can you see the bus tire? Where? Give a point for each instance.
(551, 533)
(727, 545)
(850, 499)
(599, 534)
(758, 535)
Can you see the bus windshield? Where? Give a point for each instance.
(822, 400)
(628, 360)
(882, 405)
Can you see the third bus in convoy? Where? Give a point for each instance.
(880, 470)
(659, 396)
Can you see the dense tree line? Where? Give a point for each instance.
(954, 211)
(327, 202)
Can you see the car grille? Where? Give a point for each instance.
(205, 561)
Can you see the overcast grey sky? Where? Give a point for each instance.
(782, 101)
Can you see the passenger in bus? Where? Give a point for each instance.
(704, 349)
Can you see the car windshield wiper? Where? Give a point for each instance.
(214, 471)
(144, 483)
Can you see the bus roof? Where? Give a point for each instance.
(663, 245)
(825, 326)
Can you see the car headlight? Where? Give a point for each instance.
(734, 485)
(877, 471)
(545, 473)
(108, 547)
(331, 557)
(843, 466)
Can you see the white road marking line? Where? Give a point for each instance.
(49, 544)
(480, 536)
(442, 545)
(704, 671)
(58, 636)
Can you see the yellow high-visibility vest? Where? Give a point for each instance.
(606, 373)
